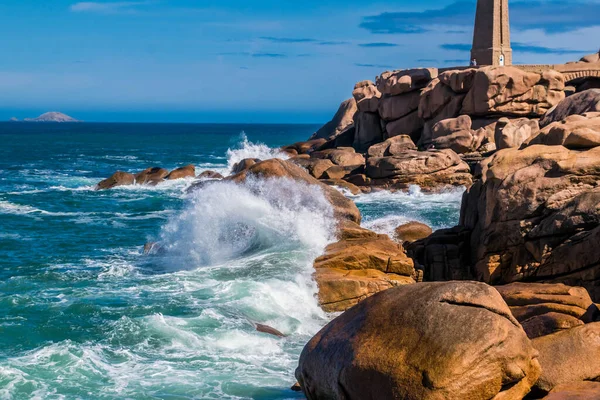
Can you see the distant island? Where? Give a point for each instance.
(49, 117)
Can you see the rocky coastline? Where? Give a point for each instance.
(502, 306)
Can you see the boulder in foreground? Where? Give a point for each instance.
(450, 340)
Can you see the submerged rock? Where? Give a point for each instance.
(269, 330)
(452, 340)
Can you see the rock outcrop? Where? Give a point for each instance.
(453, 340)
(359, 265)
(428, 169)
(534, 215)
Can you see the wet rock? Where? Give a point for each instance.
(316, 167)
(412, 231)
(342, 184)
(343, 208)
(359, 265)
(243, 165)
(269, 330)
(189, 171)
(210, 175)
(451, 340)
(119, 178)
(151, 176)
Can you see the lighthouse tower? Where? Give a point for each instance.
(491, 38)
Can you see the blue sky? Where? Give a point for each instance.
(246, 60)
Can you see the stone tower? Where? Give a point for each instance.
(491, 39)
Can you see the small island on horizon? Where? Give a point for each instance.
(52, 116)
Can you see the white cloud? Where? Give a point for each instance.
(106, 8)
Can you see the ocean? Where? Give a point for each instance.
(85, 314)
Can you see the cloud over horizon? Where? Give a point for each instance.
(107, 8)
(551, 16)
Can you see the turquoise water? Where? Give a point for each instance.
(85, 314)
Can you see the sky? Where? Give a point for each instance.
(247, 60)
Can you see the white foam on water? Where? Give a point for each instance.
(247, 149)
(413, 205)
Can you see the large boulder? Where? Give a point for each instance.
(460, 81)
(342, 120)
(450, 340)
(429, 169)
(574, 132)
(411, 125)
(534, 216)
(398, 82)
(366, 96)
(392, 147)
(569, 356)
(512, 91)
(151, 176)
(189, 171)
(579, 103)
(119, 178)
(455, 134)
(315, 166)
(412, 231)
(361, 264)
(343, 208)
(543, 309)
(513, 133)
(306, 147)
